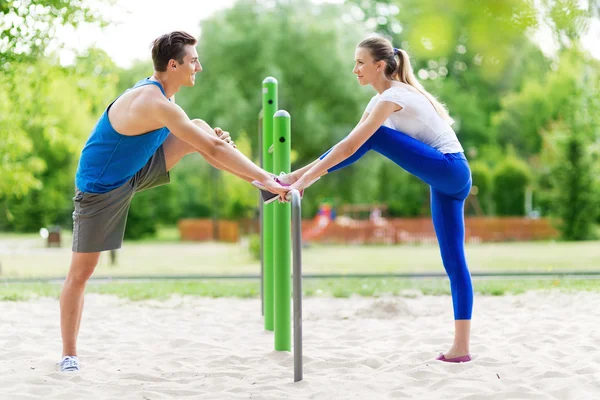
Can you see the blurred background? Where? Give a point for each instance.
(520, 77)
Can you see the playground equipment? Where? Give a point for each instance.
(275, 146)
(319, 223)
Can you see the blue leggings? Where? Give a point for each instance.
(449, 178)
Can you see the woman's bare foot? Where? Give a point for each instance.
(455, 352)
(462, 339)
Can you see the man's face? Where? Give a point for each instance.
(186, 72)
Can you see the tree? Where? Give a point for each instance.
(526, 113)
(28, 26)
(576, 189)
(57, 109)
(18, 172)
(575, 173)
(309, 49)
(473, 53)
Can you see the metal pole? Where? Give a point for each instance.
(282, 237)
(297, 272)
(215, 203)
(269, 106)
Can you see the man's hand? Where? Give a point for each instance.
(272, 186)
(224, 135)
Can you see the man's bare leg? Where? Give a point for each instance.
(71, 299)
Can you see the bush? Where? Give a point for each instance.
(511, 178)
(483, 180)
(254, 246)
(405, 194)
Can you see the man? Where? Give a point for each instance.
(134, 145)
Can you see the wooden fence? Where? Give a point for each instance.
(390, 231)
(420, 230)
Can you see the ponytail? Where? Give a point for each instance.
(404, 73)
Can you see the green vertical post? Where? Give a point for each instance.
(282, 232)
(269, 106)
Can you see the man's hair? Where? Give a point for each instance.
(170, 46)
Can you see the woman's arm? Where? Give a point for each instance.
(349, 145)
(297, 174)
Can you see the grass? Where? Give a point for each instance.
(344, 287)
(26, 257)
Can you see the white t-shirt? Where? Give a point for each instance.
(418, 118)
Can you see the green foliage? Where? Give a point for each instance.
(477, 57)
(319, 91)
(405, 195)
(240, 197)
(511, 178)
(27, 27)
(142, 221)
(575, 175)
(309, 50)
(576, 190)
(254, 246)
(526, 113)
(57, 109)
(18, 168)
(482, 178)
(474, 55)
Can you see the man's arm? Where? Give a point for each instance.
(176, 120)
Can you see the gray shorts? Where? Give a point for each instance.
(99, 218)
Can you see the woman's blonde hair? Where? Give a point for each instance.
(398, 68)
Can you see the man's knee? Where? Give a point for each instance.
(202, 124)
(82, 267)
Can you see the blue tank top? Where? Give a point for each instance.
(109, 159)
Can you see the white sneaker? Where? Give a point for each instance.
(68, 364)
(285, 179)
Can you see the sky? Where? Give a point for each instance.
(138, 22)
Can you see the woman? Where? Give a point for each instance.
(410, 127)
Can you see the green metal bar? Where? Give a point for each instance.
(269, 106)
(282, 233)
(260, 216)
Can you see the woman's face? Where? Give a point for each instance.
(365, 68)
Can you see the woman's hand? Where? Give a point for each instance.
(299, 185)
